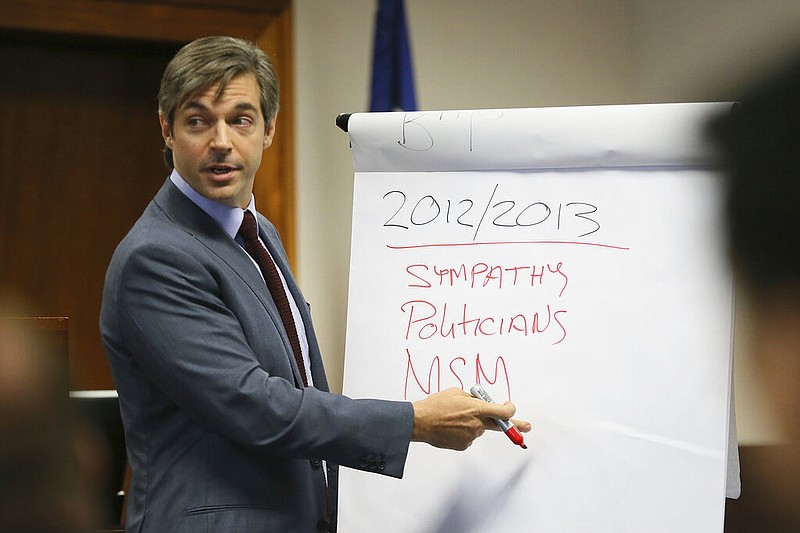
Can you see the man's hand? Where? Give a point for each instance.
(453, 419)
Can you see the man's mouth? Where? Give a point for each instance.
(221, 169)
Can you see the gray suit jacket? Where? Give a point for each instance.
(220, 435)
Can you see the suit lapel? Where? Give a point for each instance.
(183, 212)
(279, 255)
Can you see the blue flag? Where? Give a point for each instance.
(392, 74)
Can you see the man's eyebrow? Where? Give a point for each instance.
(195, 104)
(246, 106)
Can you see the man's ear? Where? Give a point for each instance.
(270, 133)
(166, 130)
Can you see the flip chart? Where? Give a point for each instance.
(570, 260)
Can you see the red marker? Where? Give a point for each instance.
(507, 427)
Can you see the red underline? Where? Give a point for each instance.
(493, 243)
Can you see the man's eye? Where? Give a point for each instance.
(242, 121)
(195, 122)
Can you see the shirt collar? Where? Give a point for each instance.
(229, 218)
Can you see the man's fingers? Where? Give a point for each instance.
(523, 425)
(503, 412)
(495, 410)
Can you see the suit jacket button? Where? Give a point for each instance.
(315, 463)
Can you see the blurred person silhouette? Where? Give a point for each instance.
(759, 144)
(50, 466)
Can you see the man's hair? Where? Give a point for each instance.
(760, 149)
(210, 60)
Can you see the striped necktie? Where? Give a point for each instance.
(249, 233)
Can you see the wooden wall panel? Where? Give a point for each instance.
(81, 151)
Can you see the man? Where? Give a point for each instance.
(228, 419)
(760, 148)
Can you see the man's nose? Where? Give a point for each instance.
(221, 140)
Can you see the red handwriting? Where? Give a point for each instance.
(457, 367)
(484, 275)
(426, 320)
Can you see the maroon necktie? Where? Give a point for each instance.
(249, 232)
